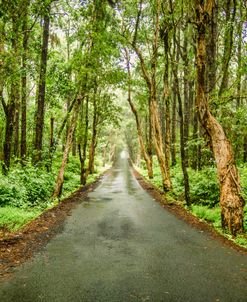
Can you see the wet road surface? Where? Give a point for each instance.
(120, 245)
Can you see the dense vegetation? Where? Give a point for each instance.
(167, 79)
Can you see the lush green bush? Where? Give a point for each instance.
(208, 214)
(26, 187)
(25, 192)
(204, 187)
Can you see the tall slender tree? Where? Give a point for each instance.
(40, 113)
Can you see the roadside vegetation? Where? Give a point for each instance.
(26, 192)
(204, 194)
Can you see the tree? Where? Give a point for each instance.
(231, 201)
(144, 152)
(38, 141)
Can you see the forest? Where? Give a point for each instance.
(166, 80)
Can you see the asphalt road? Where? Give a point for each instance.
(122, 246)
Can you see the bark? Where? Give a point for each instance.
(24, 86)
(195, 136)
(186, 100)
(17, 125)
(83, 153)
(93, 144)
(184, 161)
(52, 143)
(10, 107)
(150, 137)
(60, 178)
(174, 111)
(212, 50)
(228, 43)
(9, 127)
(158, 144)
(238, 147)
(16, 84)
(41, 90)
(167, 101)
(144, 153)
(74, 144)
(174, 123)
(182, 140)
(231, 201)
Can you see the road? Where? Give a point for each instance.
(120, 245)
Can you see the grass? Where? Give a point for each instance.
(211, 215)
(204, 194)
(13, 218)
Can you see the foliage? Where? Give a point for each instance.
(209, 214)
(13, 218)
(204, 186)
(26, 191)
(26, 187)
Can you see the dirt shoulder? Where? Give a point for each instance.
(185, 215)
(17, 247)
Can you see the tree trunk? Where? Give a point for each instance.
(212, 50)
(9, 126)
(144, 153)
(194, 159)
(158, 143)
(83, 154)
(174, 126)
(52, 144)
(184, 160)
(24, 86)
(228, 43)
(74, 144)
(17, 126)
(93, 144)
(239, 55)
(41, 90)
(60, 178)
(167, 100)
(186, 87)
(10, 108)
(231, 201)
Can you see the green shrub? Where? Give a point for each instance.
(11, 192)
(208, 214)
(14, 218)
(204, 188)
(26, 187)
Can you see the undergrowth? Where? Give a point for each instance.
(26, 191)
(204, 194)
(13, 218)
